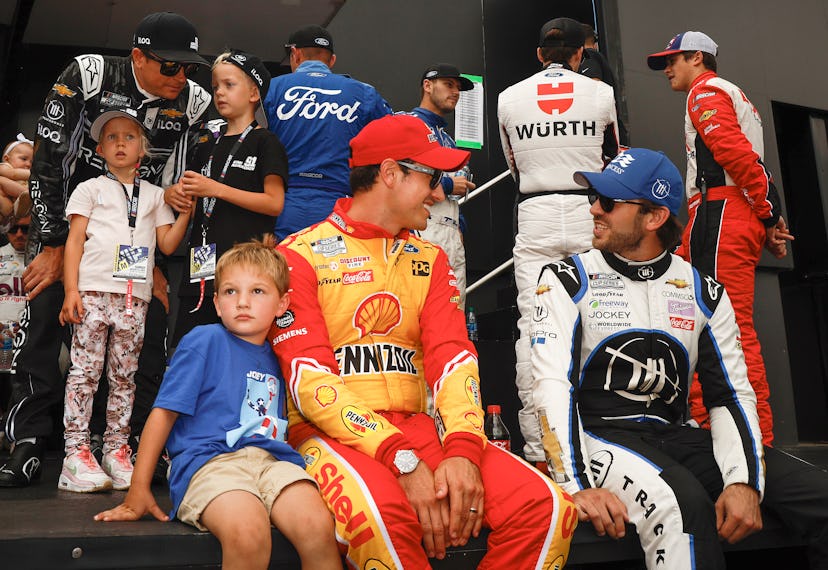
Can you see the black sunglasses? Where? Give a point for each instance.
(436, 175)
(19, 228)
(607, 204)
(171, 68)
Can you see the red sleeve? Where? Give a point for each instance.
(450, 361)
(714, 118)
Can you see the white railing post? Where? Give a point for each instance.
(484, 187)
(491, 275)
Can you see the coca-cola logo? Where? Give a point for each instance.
(301, 101)
(364, 276)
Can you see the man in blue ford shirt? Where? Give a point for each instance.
(315, 114)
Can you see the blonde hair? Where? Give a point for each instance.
(260, 255)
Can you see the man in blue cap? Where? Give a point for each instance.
(616, 336)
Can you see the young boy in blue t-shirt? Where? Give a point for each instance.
(221, 411)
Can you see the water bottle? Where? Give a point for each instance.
(495, 429)
(471, 325)
(6, 351)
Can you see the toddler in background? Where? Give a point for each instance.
(114, 216)
(14, 177)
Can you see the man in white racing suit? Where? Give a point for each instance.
(552, 124)
(616, 335)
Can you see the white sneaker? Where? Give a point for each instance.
(82, 474)
(117, 464)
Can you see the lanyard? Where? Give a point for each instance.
(208, 204)
(131, 203)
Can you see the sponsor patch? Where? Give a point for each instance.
(354, 262)
(329, 246)
(703, 95)
(605, 281)
(325, 395)
(285, 320)
(110, 99)
(682, 324)
(473, 390)
(710, 128)
(420, 268)
(311, 455)
(707, 115)
(355, 277)
(411, 248)
(544, 288)
(680, 308)
(360, 422)
(63, 90)
(474, 420)
(678, 283)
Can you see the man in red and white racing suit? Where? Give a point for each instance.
(733, 204)
(551, 124)
(373, 320)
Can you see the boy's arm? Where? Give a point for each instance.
(169, 236)
(140, 500)
(72, 311)
(269, 203)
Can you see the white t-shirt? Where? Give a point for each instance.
(102, 200)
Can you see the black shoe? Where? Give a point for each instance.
(23, 465)
(96, 447)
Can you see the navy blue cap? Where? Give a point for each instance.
(638, 173)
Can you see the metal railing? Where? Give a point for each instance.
(506, 264)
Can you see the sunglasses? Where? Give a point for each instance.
(171, 68)
(435, 174)
(607, 204)
(19, 228)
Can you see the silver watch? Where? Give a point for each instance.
(406, 461)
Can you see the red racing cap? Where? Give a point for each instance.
(400, 137)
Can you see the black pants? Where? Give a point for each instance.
(38, 384)
(795, 491)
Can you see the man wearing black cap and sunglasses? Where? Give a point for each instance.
(440, 88)
(551, 124)
(315, 113)
(152, 79)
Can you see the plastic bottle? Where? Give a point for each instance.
(495, 429)
(6, 350)
(471, 325)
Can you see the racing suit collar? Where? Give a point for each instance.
(148, 97)
(639, 270)
(707, 75)
(557, 66)
(432, 117)
(312, 65)
(362, 230)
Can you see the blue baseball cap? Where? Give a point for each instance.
(638, 173)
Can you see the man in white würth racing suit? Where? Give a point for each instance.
(551, 124)
(616, 335)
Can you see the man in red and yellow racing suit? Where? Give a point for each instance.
(733, 204)
(373, 320)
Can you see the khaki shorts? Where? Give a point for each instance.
(250, 469)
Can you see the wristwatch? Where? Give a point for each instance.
(406, 461)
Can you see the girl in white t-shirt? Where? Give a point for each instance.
(115, 222)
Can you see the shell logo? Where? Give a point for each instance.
(325, 395)
(312, 455)
(474, 420)
(378, 314)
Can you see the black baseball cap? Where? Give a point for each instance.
(258, 73)
(169, 36)
(311, 36)
(447, 70)
(573, 33)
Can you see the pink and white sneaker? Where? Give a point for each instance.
(117, 463)
(82, 474)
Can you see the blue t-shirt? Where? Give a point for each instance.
(229, 394)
